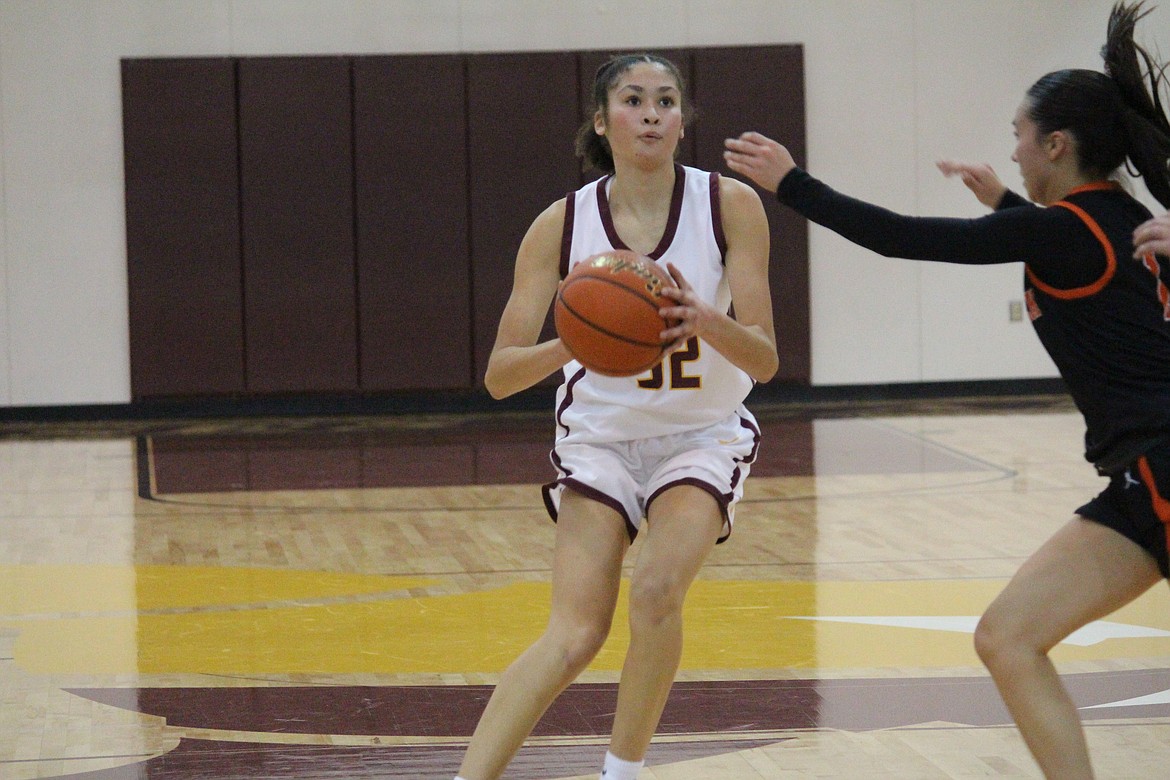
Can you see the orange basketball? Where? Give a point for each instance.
(606, 312)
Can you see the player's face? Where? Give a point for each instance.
(643, 119)
(1031, 155)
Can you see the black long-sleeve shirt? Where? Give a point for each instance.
(1102, 316)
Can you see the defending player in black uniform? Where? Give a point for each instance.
(1103, 316)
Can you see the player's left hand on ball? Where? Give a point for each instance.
(685, 312)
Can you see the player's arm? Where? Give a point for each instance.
(748, 340)
(517, 362)
(752, 345)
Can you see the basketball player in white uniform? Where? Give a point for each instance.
(666, 452)
(694, 397)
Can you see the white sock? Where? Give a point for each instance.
(617, 769)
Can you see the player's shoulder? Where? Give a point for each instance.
(731, 192)
(544, 234)
(553, 214)
(734, 191)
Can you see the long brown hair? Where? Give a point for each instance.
(594, 149)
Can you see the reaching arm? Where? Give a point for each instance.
(1052, 241)
(973, 241)
(1005, 236)
(759, 158)
(979, 178)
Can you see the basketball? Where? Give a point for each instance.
(606, 312)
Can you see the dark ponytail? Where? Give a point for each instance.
(592, 148)
(1140, 81)
(1111, 116)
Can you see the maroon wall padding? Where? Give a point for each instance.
(522, 119)
(353, 227)
(762, 88)
(182, 227)
(296, 160)
(414, 277)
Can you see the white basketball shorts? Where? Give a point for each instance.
(628, 475)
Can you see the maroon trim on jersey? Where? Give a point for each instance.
(751, 456)
(567, 232)
(676, 202)
(568, 400)
(568, 481)
(717, 218)
(1110, 256)
(722, 499)
(756, 437)
(546, 493)
(606, 217)
(547, 488)
(592, 494)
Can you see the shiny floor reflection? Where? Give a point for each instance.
(335, 597)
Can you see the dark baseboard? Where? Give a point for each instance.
(536, 399)
(908, 391)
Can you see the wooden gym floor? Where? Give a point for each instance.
(334, 597)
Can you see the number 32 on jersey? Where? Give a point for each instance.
(679, 379)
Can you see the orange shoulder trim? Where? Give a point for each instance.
(1110, 260)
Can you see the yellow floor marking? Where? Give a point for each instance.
(158, 620)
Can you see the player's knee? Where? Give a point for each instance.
(986, 641)
(655, 598)
(579, 644)
(997, 641)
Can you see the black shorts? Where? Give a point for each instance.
(1137, 504)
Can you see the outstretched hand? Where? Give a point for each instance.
(759, 158)
(1152, 237)
(979, 178)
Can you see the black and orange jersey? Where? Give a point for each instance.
(1103, 317)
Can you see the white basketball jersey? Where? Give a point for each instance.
(695, 386)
